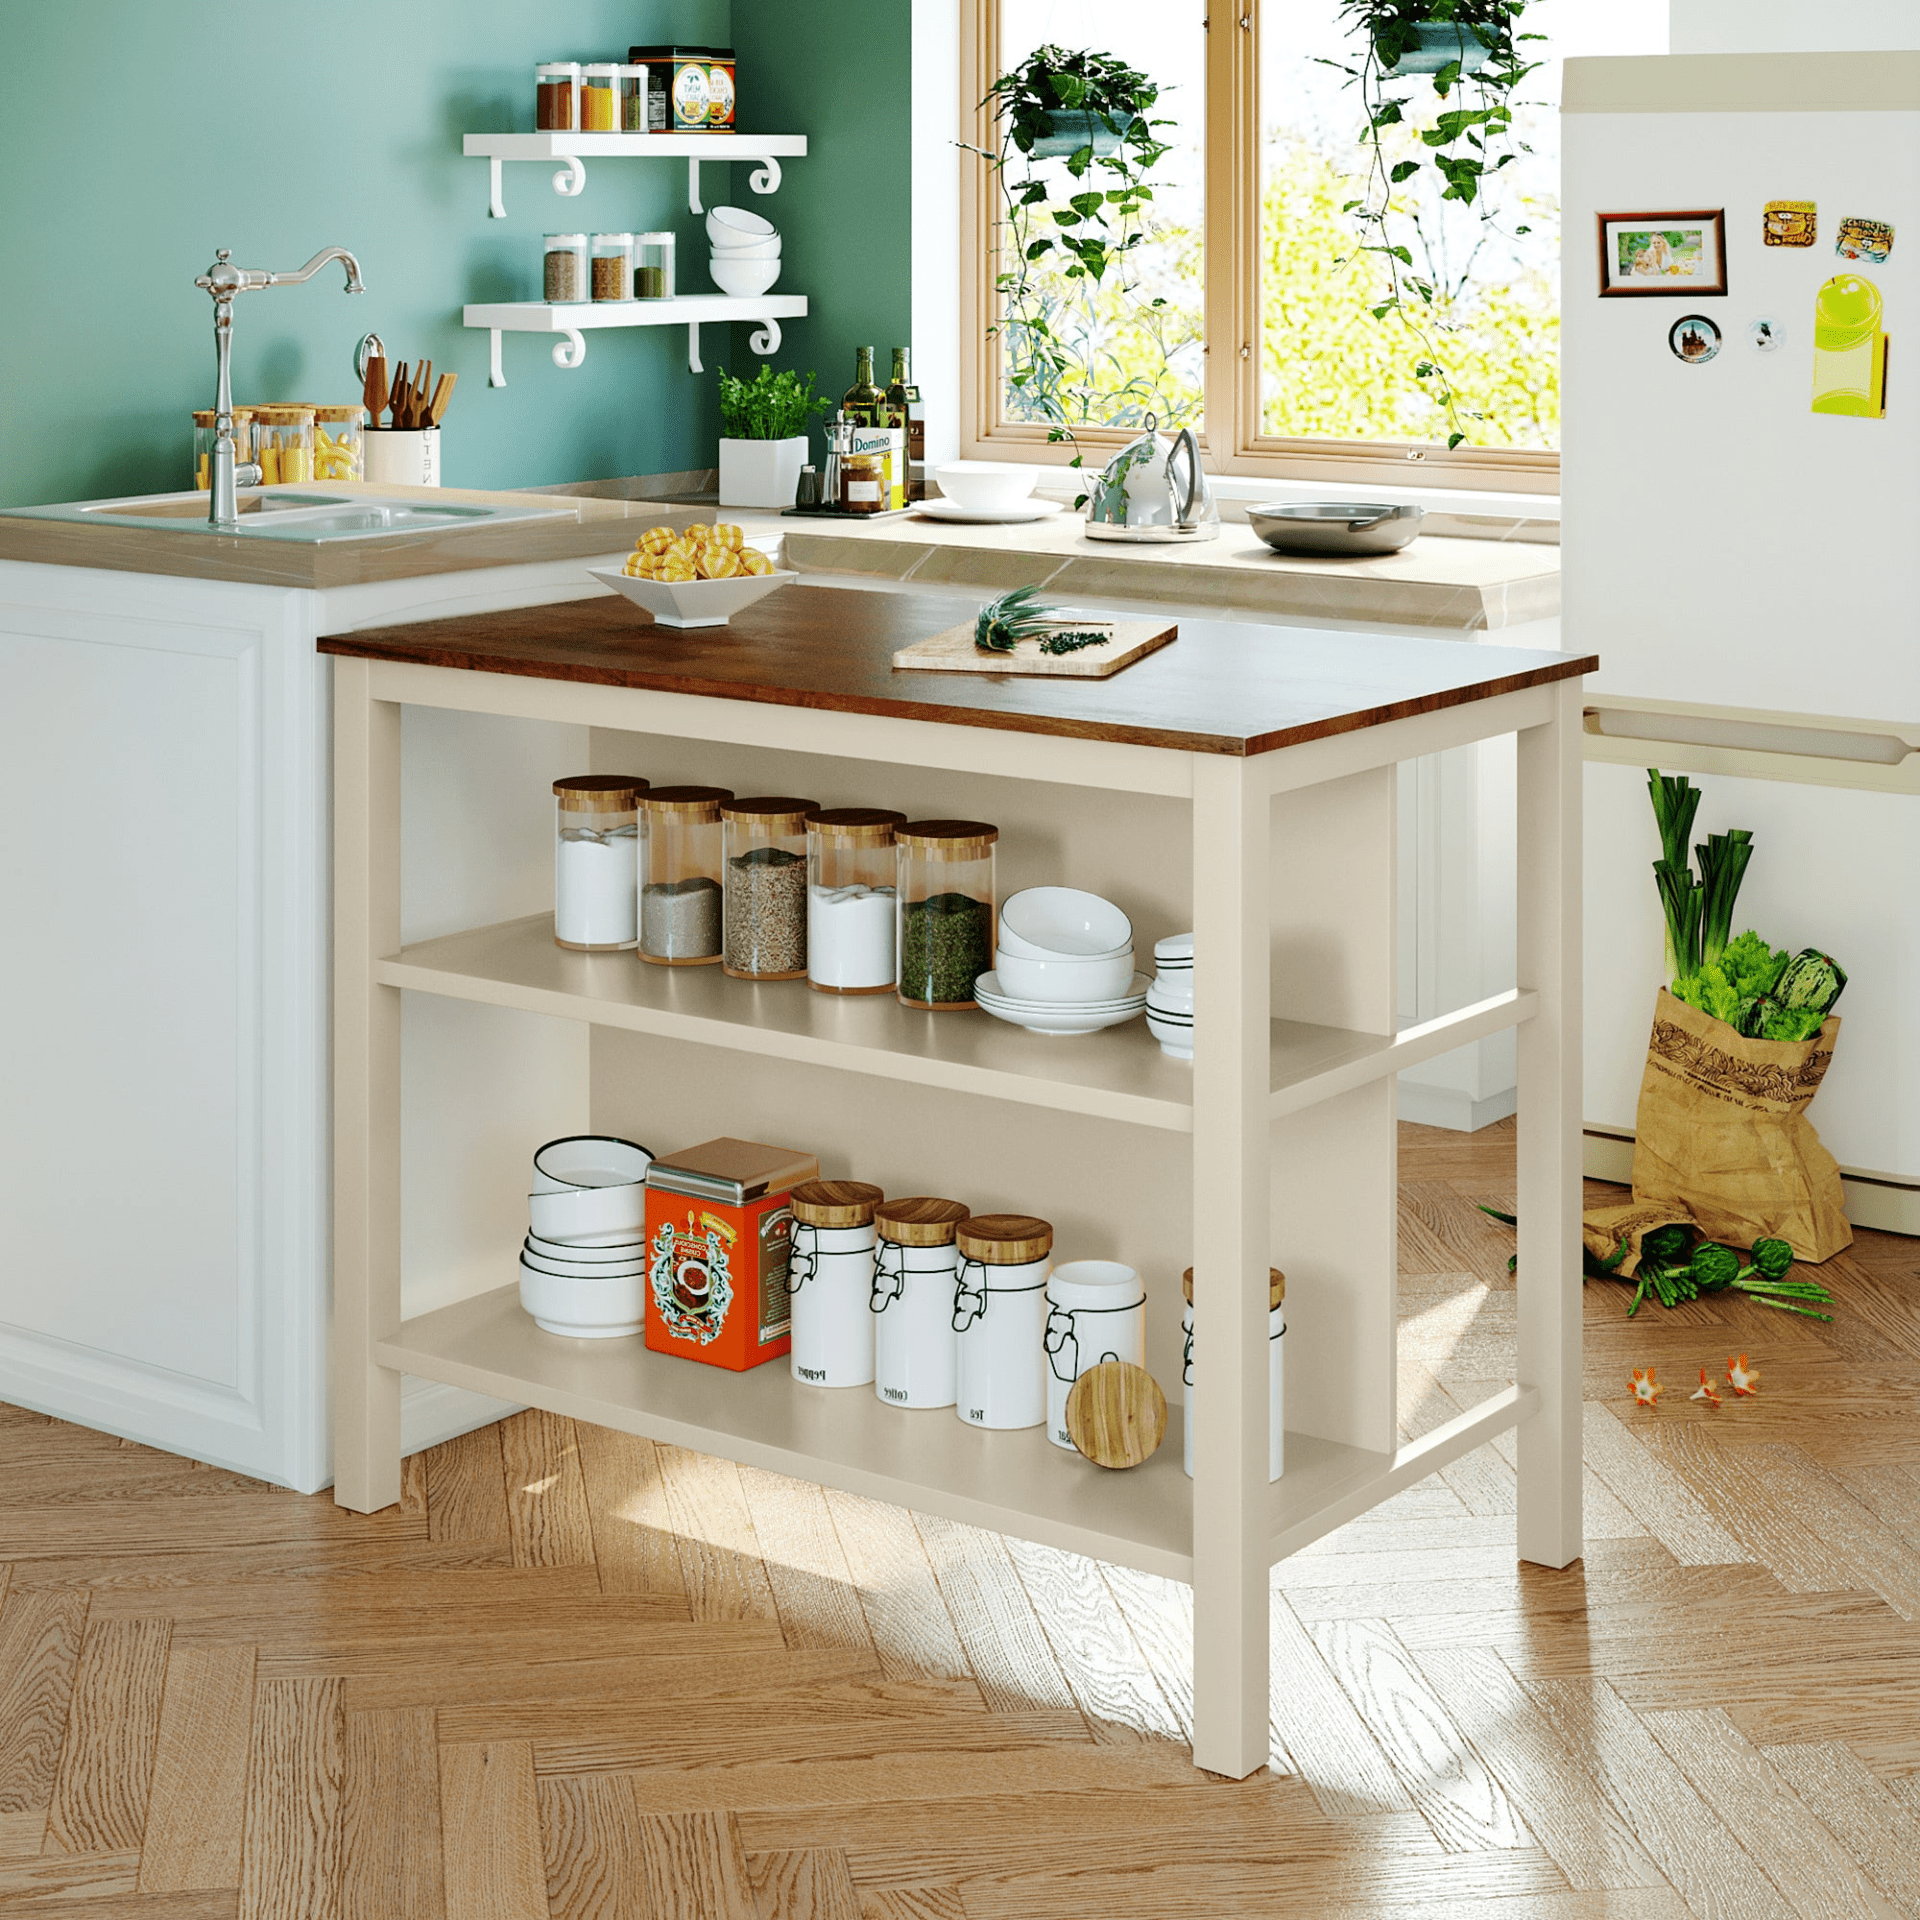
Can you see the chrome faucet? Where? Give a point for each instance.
(223, 281)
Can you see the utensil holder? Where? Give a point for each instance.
(403, 456)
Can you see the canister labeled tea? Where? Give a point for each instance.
(1000, 1316)
(915, 1349)
(1096, 1310)
(830, 1282)
(1276, 1370)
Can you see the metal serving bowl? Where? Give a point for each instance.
(1335, 526)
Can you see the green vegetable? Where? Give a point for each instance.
(1675, 801)
(1771, 1259)
(1791, 1023)
(770, 406)
(1812, 980)
(1664, 1245)
(1016, 616)
(1713, 1266)
(1745, 970)
(1723, 864)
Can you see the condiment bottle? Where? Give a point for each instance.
(765, 907)
(556, 94)
(850, 900)
(680, 901)
(915, 1349)
(565, 278)
(596, 862)
(599, 98)
(944, 877)
(1276, 1369)
(1000, 1317)
(613, 266)
(830, 1282)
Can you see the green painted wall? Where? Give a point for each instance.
(277, 127)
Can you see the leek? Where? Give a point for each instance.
(1723, 865)
(1681, 901)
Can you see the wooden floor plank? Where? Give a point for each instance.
(720, 1554)
(40, 1641)
(912, 1903)
(633, 1541)
(905, 1612)
(546, 1492)
(113, 1722)
(490, 1833)
(806, 1565)
(196, 1811)
(290, 1851)
(467, 1490)
(1660, 1498)
(693, 1863)
(803, 1883)
(391, 1843)
(129, 1906)
(67, 1877)
(1879, 1831)
(1160, 1615)
(1330, 1745)
(590, 1843)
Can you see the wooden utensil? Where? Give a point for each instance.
(1116, 1414)
(399, 396)
(442, 393)
(417, 406)
(374, 398)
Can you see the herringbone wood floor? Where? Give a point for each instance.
(578, 1675)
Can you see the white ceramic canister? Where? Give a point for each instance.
(1276, 1370)
(1096, 1310)
(830, 1282)
(915, 1349)
(1000, 1316)
(404, 456)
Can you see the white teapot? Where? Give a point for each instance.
(1142, 493)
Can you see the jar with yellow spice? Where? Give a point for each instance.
(339, 449)
(284, 445)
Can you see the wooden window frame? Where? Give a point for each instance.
(1231, 308)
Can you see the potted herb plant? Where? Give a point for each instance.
(763, 436)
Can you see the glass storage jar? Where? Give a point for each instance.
(565, 277)
(863, 483)
(850, 912)
(653, 266)
(596, 862)
(599, 98)
(680, 899)
(633, 100)
(339, 450)
(556, 85)
(765, 909)
(944, 882)
(205, 432)
(284, 445)
(613, 266)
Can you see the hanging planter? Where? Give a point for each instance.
(1436, 44)
(1105, 134)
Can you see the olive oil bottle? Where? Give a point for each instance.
(903, 409)
(864, 401)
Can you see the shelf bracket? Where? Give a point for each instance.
(693, 187)
(571, 348)
(764, 339)
(496, 373)
(496, 207)
(693, 340)
(765, 178)
(571, 177)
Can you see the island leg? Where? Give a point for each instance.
(1548, 1272)
(1232, 1188)
(366, 1091)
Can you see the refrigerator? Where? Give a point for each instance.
(1746, 567)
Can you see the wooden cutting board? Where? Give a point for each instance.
(953, 651)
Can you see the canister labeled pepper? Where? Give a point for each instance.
(1276, 1369)
(915, 1348)
(830, 1282)
(1000, 1316)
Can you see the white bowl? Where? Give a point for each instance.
(694, 603)
(985, 485)
(574, 1253)
(737, 223)
(1175, 1040)
(633, 1262)
(1173, 992)
(743, 279)
(1059, 982)
(1063, 923)
(1175, 951)
(589, 1160)
(596, 1216)
(605, 1309)
(741, 246)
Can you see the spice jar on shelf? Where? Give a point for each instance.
(283, 439)
(765, 908)
(596, 862)
(830, 1282)
(613, 266)
(681, 898)
(945, 896)
(206, 431)
(339, 450)
(915, 1349)
(565, 278)
(653, 266)
(556, 94)
(850, 899)
(633, 101)
(1000, 1318)
(599, 98)
(1276, 1369)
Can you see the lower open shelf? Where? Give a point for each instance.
(1016, 1483)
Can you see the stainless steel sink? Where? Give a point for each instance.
(308, 517)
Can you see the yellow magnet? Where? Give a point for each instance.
(1849, 349)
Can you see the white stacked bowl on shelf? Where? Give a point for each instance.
(1170, 998)
(583, 1265)
(1063, 964)
(746, 252)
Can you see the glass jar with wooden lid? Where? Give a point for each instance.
(850, 899)
(339, 444)
(914, 1342)
(1000, 1316)
(830, 1282)
(944, 882)
(206, 430)
(681, 898)
(765, 908)
(1276, 1369)
(284, 445)
(596, 862)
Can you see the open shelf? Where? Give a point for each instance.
(1117, 1075)
(1017, 1482)
(572, 148)
(574, 319)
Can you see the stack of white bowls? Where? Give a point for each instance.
(746, 252)
(583, 1269)
(1170, 998)
(1064, 964)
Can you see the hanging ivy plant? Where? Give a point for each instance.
(1471, 50)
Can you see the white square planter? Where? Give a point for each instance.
(761, 473)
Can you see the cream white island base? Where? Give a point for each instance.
(1241, 782)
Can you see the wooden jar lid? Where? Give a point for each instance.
(705, 802)
(920, 1221)
(1116, 1414)
(599, 792)
(835, 1203)
(855, 826)
(1005, 1239)
(957, 839)
(1276, 1287)
(775, 812)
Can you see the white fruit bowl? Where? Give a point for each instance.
(694, 603)
(589, 1216)
(743, 279)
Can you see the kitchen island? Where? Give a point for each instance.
(1239, 782)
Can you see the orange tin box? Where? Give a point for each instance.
(719, 1231)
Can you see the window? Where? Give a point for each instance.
(1246, 308)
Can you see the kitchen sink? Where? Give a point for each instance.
(308, 517)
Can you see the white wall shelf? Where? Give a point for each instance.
(573, 150)
(575, 319)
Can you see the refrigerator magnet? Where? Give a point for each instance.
(1789, 223)
(1694, 339)
(1868, 240)
(1763, 334)
(1849, 349)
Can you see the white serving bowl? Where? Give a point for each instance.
(737, 223)
(573, 1253)
(1058, 982)
(1063, 923)
(985, 486)
(1175, 1039)
(590, 1216)
(741, 247)
(743, 279)
(579, 1309)
(694, 603)
(589, 1160)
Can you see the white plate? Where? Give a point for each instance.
(693, 603)
(987, 990)
(1062, 1019)
(990, 516)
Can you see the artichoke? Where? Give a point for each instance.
(1662, 1246)
(1771, 1259)
(1713, 1266)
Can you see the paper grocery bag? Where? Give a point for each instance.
(1722, 1132)
(1603, 1228)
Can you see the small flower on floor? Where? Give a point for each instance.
(1646, 1390)
(1744, 1380)
(1706, 1392)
